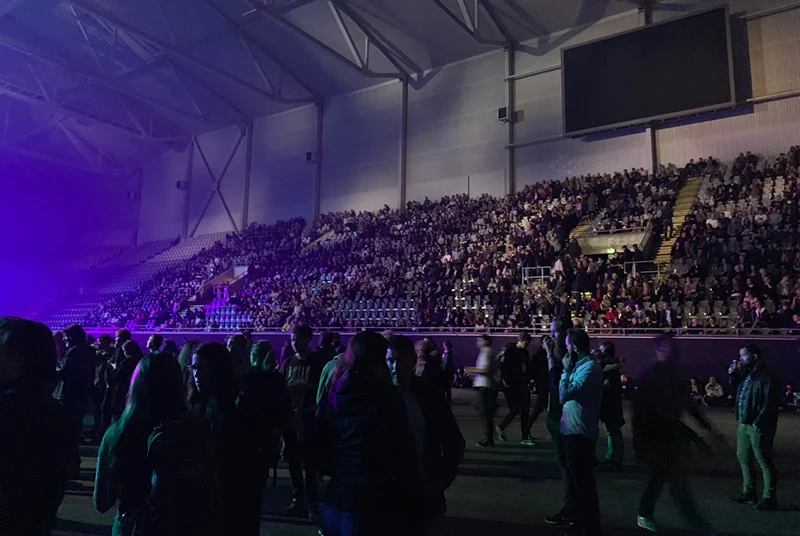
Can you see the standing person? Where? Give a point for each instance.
(33, 454)
(437, 437)
(77, 373)
(661, 439)
(302, 372)
(611, 406)
(556, 348)
(758, 398)
(264, 410)
(103, 361)
(449, 369)
(239, 349)
(581, 393)
(513, 365)
(430, 364)
(132, 354)
(156, 462)
(487, 388)
(214, 402)
(364, 444)
(541, 381)
(154, 343)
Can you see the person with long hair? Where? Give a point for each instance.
(33, 429)
(366, 447)
(156, 462)
(132, 354)
(214, 402)
(264, 410)
(185, 361)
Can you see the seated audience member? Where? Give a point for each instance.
(695, 391)
(156, 462)
(365, 446)
(715, 393)
(33, 430)
(789, 397)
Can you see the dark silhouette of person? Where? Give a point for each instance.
(33, 430)
(77, 375)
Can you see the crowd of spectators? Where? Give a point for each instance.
(457, 262)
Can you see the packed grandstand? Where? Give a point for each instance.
(459, 262)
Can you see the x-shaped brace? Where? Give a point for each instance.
(217, 182)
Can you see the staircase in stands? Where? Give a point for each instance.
(683, 205)
(583, 227)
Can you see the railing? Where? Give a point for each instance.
(644, 268)
(594, 232)
(536, 274)
(536, 329)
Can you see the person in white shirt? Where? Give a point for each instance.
(485, 382)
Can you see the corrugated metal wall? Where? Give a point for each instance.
(281, 181)
(453, 133)
(361, 150)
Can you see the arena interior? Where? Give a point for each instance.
(440, 169)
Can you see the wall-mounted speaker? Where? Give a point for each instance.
(181, 185)
(502, 114)
(311, 157)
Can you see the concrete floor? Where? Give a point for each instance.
(509, 489)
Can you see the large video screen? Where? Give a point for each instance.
(657, 72)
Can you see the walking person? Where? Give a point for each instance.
(487, 386)
(758, 399)
(611, 406)
(437, 437)
(33, 429)
(513, 365)
(541, 381)
(661, 440)
(580, 392)
(366, 447)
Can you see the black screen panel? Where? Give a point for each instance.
(656, 72)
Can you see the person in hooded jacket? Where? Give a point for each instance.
(365, 445)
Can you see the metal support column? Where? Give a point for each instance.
(248, 167)
(511, 168)
(187, 189)
(318, 162)
(139, 187)
(403, 158)
(651, 129)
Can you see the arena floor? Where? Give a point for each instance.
(509, 489)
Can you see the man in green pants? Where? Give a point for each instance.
(758, 396)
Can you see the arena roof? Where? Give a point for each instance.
(110, 84)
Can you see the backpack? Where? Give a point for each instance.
(184, 495)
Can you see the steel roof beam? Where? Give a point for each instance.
(48, 158)
(346, 34)
(89, 77)
(275, 15)
(498, 21)
(375, 36)
(249, 41)
(180, 69)
(470, 28)
(171, 50)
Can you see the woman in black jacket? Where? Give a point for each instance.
(365, 446)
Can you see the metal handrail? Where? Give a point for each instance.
(540, 328)
(615, 231)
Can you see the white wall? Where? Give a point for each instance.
(360, 155)
(161, 212)
(453, 132)
(281, 184)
